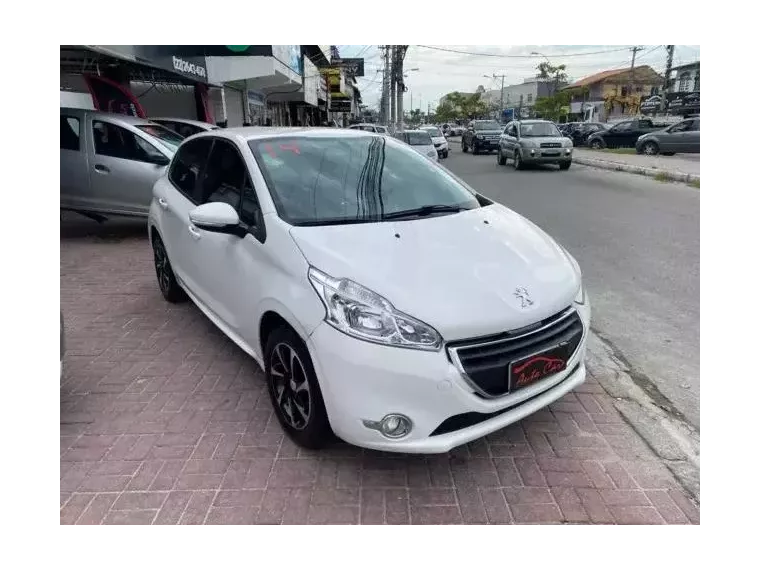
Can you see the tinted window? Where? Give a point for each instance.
(680, 127)
(188, 164)
(486, 125)
(166, 136)
(382, 130)
(182, 129)
(622, 127)
(417, 139)
(343, 180)
(224, 176)
(694, 126)
(69, 133)
(111, 140)
(512, 130)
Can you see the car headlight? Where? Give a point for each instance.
(580, 298)
(363, 314)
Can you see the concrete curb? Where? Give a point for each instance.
(633, 169)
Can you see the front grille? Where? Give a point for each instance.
(551, 145)
(468, 419)
(485, 361)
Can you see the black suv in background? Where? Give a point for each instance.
(481, 135)
(623, 134)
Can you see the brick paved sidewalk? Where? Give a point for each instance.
(165, 421)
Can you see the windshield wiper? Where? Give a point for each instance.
(423, 211)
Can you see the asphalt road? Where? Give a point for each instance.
(637, 241)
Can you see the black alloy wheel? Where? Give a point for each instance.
(167, 281)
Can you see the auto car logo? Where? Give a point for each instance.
(522, 294)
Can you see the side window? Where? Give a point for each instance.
(694, 126)
(224, 177)
(250, 211)
(512, 130)
(117, 142)
(187, 166)
(69, 133)
(623, 127)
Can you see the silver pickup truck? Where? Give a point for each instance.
(109, 162)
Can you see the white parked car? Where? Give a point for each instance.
(386, 301)
(439, 141)
(420, 141)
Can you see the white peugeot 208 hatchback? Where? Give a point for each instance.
(386, 301)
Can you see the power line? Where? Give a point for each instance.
(558, 55)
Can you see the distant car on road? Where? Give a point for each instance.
(582, 131)
(534, 142)
(482, 135)
(681, 137)
(109, 162)
(439, 141)
(370, 128)
(622, 134)
(184, 127)
(420, 141)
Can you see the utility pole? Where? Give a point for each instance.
(384, 98)
(668, 71)
(400, 54)
(501, 93)
(394, 88)
(634, 49)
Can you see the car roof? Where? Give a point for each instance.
(534, 121)
(245, 134)
(186, 121)
(114, 117)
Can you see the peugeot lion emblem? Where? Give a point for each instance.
(522, 294)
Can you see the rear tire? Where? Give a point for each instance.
(167, 281)
(501, 160)
(294, 390)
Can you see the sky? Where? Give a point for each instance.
(442, 72)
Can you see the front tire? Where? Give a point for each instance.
(167, 281)
(518, 161)
(294, 390)
(464, 146)
(650, 148)
(446, 154)
(475, 149)
(596, 144)
(501, 160)
(565, 165)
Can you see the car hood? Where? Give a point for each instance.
(438, 140)
(459, 273)
(541, 140)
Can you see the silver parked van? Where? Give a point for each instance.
(110, 162)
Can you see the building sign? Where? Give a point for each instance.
(192, 68)
(340, 105)
(353, 66)
(255, 98)
(679, 103)
(290, 56)
(336, 81)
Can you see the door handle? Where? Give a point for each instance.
(193, 232)
(163, 203)
(102, 169)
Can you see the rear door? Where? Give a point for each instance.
(123, 170)
(75, 180)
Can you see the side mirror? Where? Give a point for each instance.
(217, 217)
(160, 159)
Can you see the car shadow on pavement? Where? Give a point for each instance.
(75, 226)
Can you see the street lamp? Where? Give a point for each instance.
(411, 102)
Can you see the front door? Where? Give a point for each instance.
(176, 195)
(619, 135)
(123, 170)
(215, 256)
(75, 179)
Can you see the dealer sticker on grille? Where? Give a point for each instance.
(531, 369)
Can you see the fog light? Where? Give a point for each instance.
(567, 151)
(392, 426)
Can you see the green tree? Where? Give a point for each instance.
(548, 71)
(415, 117)
(556, 105)
(445, 112)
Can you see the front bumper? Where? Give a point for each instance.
(546, 155)
(366, 381)
(485, 144)
(442, 150)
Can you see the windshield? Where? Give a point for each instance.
(342, 180)
(382, 130)
(433, 131)
(486, 126)
(539, 130)
(417, 139)
(166, 136)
